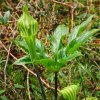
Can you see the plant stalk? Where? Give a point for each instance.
(40, 83)
(56, 85)
(32, 52)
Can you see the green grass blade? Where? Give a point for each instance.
(86, 70)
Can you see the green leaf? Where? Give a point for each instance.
(60, 31)
(17, 76)
(56, 66)
(69, 57)
(80, 28)
(3, 98)
(24, 60)
(61, 53)
(90, 98)
(86, 70)
(18, 86)
(4, 20)
(76, 43)
(48, 63)
(2, 91)
(1, 20)
(63, 61)
(40, 50)
(31, 43)
(39, 45)
(6, 17)
(22, 44)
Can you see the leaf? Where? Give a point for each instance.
(22, 44)
(86, 70)
(63, 61)
(6, 17)
(90, 98)
(3, 98)
(17, 76)
(61, 53)
(80, 28)
(31, 43)
(1, 20)
(24, 60)
(60, 31)
(56, 66)
(39, 45)
(70, 57)
(40, 50)
(2, 91)
(76, 43)
(48, 63)
(68, 93)
(18, 86)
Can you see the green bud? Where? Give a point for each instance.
(27, 25)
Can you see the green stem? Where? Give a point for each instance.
(56, 85)
(31, 43)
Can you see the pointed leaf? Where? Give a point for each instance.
(22, 44)
(76, 43)
(60, 31)
(80, 28)
(39, 45)
(24, 60)
(40, 49)
(31, 43)
(6, 17)
(63, 61)
(18, 86)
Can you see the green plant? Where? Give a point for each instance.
(90, 98)
(61, 53)
(68, 93)
(28, 28)
(5, 18)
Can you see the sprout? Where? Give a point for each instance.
(27, 25)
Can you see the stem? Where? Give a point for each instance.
(56, 85)
(31, 42)
(40, 83)
(81, 76)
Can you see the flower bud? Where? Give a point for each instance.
(27, 25)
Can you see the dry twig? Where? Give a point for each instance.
(28, 87)
(5, 67)
(71, 7)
